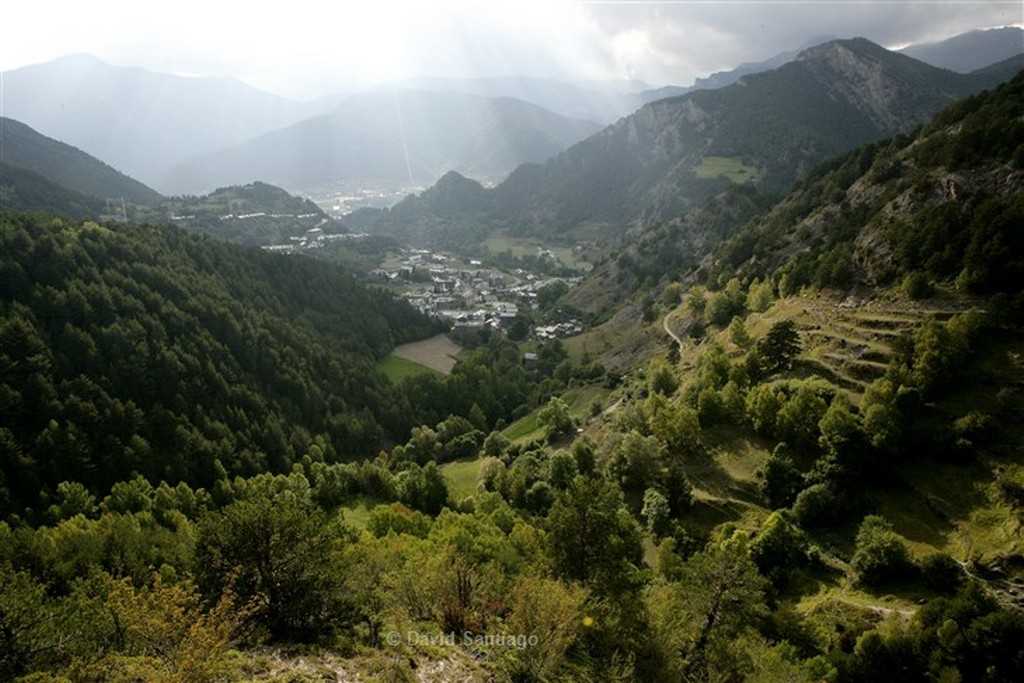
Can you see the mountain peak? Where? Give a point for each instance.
(455, 189)
(858, 46)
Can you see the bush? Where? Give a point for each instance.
(942, 573)
(1011, 486)
(916, 286)
(880, 555)
(816, 505)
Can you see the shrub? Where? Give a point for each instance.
(880, 555)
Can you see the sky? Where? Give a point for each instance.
(307, 48)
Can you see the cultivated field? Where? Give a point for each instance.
(730, 167)
(438, 353)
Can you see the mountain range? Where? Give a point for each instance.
(970, 51)
(767, 129)
(943, 201)
(159, 127)
(392, 135)
(140, 121)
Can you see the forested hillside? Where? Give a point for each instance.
(145, 349)
(944, 204)
(23, 190)
(256, 214)
(67, 166)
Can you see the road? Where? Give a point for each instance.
(687, 321)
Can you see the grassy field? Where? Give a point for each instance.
(526, 428)
(730, 167)
(397, 368)
(357, 513)
(462, 476)
(580, 400)
(968, 520)
(438, 353)
(624, 341)
(497, 244)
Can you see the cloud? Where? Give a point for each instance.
(685, 40)
(304, 47)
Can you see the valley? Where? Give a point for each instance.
(729, 389)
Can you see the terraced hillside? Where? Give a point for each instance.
(850, 342)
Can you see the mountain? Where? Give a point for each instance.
(970, 51)
(140, 121)
(945, 204)
(452, 212)
(67, 166)
(22, 190)
(767, 129)
(392, 135)
(603, 102)
(721, 79)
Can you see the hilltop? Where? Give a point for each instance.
(257, 214)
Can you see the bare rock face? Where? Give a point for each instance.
(892, 91)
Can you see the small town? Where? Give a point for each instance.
(471, 294)
(467, 292)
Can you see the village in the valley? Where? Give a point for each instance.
(469, 293)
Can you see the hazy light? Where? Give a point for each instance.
(307, 47)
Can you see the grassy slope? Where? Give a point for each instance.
(397, 368)
(966, 520)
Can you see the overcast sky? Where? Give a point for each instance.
(304, 48)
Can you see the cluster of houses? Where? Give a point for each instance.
(314, 238)
(468, 293)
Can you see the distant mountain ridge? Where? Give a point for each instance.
(140, 121)
(970, 51)
(25, 191)
(144, 122)
(67, 166)
(392, 135)
(771, 127)
(945, 202)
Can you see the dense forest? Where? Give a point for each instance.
(207, 478)
(147, 350)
